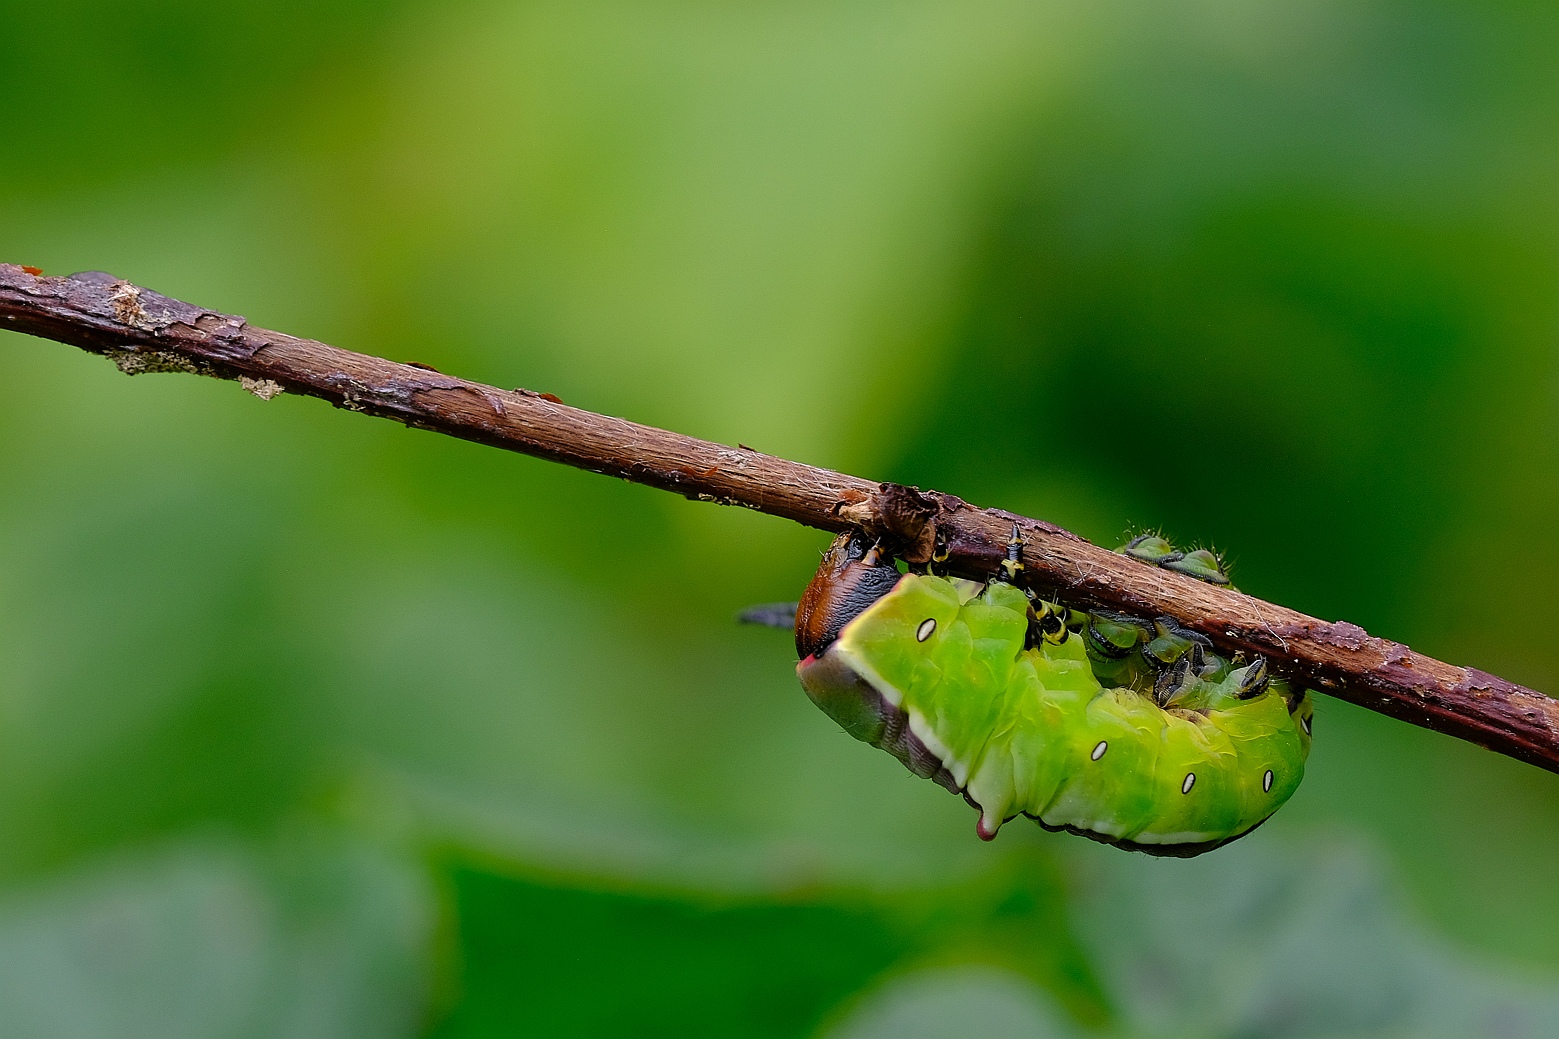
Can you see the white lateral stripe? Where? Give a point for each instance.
(917, 722)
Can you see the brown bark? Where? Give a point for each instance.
(144, 332)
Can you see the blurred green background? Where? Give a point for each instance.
(315, 726)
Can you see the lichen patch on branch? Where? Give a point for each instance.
(148, 362)
(265, 389)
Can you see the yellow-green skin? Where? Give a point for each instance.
(1033, 732)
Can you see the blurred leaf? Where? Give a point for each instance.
(1311, 944)
(1248, 943)
(954, 1004)
(214, 939)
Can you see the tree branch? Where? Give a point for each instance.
(144, 332)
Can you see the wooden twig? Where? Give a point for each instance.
(145, 332)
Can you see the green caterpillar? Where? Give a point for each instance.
(1125, 731)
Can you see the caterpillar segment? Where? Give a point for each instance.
(1123, 730)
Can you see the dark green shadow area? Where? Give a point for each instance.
(535, 958)
(545, 961)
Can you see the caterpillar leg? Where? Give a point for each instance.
(1151, 548)
(1047, 622)
(1202, 563)
(1170, 642)
(1012, 566)
(939, 554)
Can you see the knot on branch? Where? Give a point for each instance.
(903, 518)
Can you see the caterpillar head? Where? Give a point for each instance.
(855, 573)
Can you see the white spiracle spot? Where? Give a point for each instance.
(1266, 782)
(925, 630)
(1098, 751)
(1190, 781)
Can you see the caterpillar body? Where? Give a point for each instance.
(1125, 731)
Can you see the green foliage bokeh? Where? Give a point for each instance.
(1280, 278)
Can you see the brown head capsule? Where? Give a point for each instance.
(854, 573)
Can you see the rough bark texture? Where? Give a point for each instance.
(141, 331)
